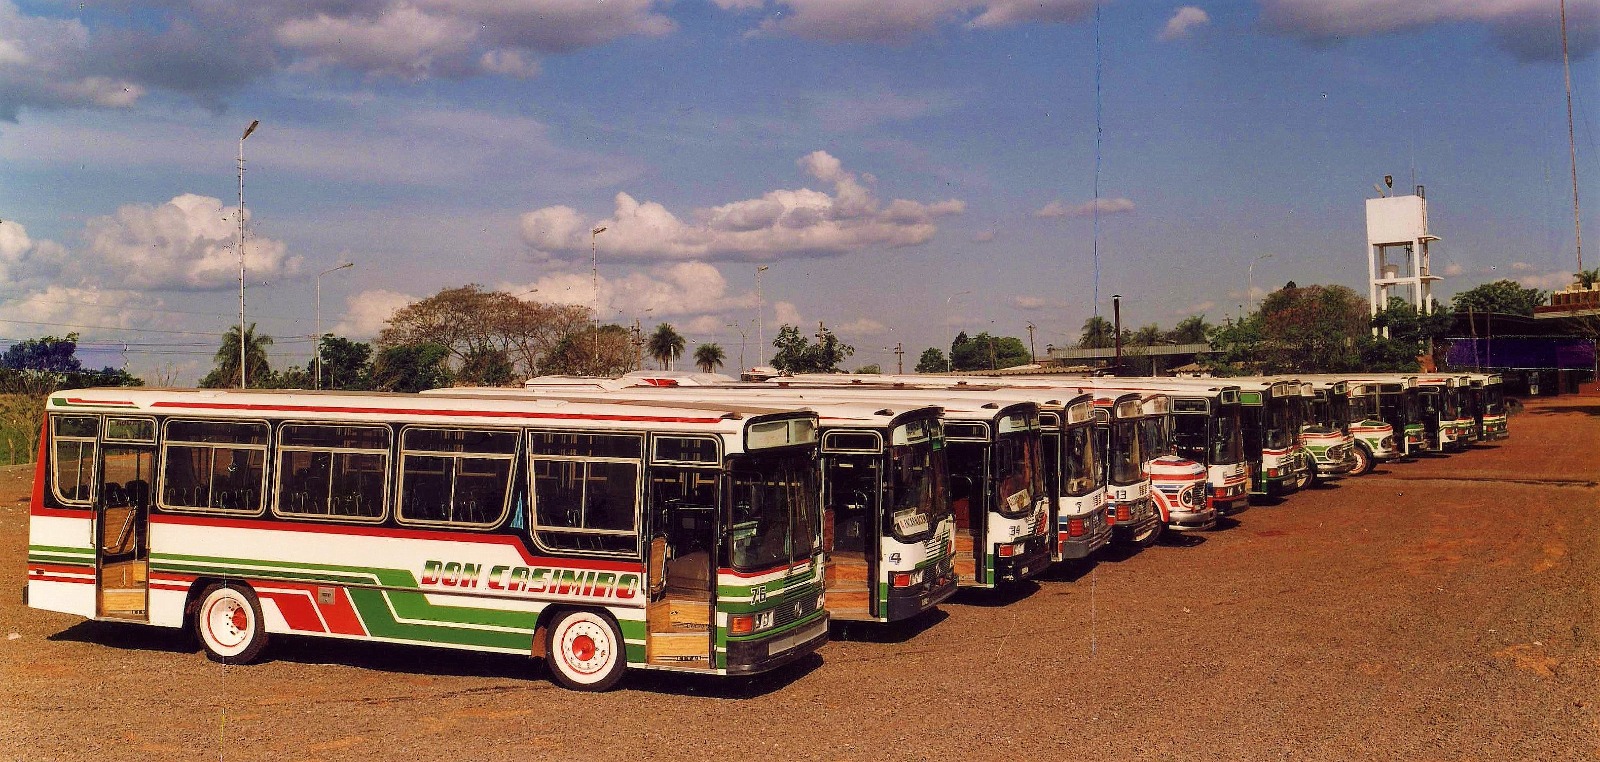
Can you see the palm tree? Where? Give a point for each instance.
(1147, 336)
(1191, 330)
(665, 345)
(709, 357)
(1098, 333)
(225, 374)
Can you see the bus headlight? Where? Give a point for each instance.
(749, 624)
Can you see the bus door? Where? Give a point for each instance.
(852, 487)
(682, 567)
(1432, 407)
(122, 518)
(969, 501)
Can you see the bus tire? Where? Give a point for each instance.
(584, 651)
(1364, 461)
(228, 624)
(1150, 536)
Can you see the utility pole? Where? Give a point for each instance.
(252, 128)
(820, 350)
(638, 345)
(761, 310)
(594, 283)
(1116, 327)
(1033, 356)
(899, 358)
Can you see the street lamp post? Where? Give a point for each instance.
(1250, 281)
(742, 335)
(950, 359)
(240, 247)
(761, 311)
(594, 283)
(316, 347)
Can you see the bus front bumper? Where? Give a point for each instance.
(907, 602)
(1228, 506)
(1095, 534)
(749, 657)
(1197, 520)
(1124, 532)
(1033, 557)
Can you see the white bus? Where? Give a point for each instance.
(888, 530)
(599, 537)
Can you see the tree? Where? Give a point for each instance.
(411, 368)
(225, 371)
(932, 361)
(1191, 330)
(872, 370)
(665, 345)
(487, 367)
(1098, 333)
(1504, 296)
(50, 354)
(1410, 334)
(1312, 329)
(607, 351)
(798, 355)
(1147, 336)
(709, 357)
(346, 364)
(469, 320)
(985, 352)
(1587, 278)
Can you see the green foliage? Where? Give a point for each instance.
(50, 354)
(874, 369)
(1410, 335)
(709, 357)
(1504, 296)
(225, 370)
(346, 364)
(487, 367)
(1191, 330)
(605, 352)
(1098, 333)
(932, 361)
(796, 354)
(1587, 278)
(665, 345)
(1147, 336)
(411, 368)
(1314, 329)
(985, 352)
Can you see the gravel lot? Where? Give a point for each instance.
(1436, 610)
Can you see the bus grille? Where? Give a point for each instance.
(795, 608)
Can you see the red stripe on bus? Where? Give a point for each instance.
(407, 534)
(341, 614)
(297, 610)
(63, 513)
(60, 568)
(423, 411)
(771, 570)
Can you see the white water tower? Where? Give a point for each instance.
(1397, 250)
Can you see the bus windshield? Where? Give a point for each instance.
(1494, 400)
(775, 510)
(1017, 472)
(919, 490)
(1359, 408)
(1227, 438)
(1124, 456)
(1279, 424)
(1189, 435)
(1451, 407)
(1338, 417)
(1155, 437)
(1080, 462)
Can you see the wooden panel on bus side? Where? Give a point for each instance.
(965, 563)
(848, 588)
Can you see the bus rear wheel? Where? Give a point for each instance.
(228, 624)
(585, 652)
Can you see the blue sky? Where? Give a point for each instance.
(905, 168)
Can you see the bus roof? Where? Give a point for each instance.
(861, 413)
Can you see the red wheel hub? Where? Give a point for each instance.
(239, 620)
(583, 647)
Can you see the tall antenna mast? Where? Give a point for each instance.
(1572, 141)
(252, 128)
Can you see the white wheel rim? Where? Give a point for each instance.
(585, 650)
(228, 623)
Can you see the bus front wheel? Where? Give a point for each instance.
(228, 624)
(1364, 461)
(585, 652)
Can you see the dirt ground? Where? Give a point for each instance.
(1443, 609)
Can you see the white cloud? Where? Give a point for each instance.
(1526, 28)
(899, 21)
(1550, 281)
(366, 312)
(403, 41)
(784, 313)
(1521, 267)
(82, 307)
(1029, 302)
(22, 258)
(843, 113)
(861, 327)
(1453, 269)
(44, 63)
(1183, 21)
(188, 243)
(802, 221)
(1107, 206)
(983, 236)
(684, 288)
